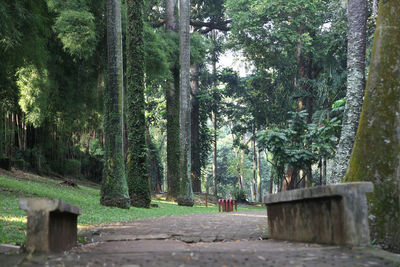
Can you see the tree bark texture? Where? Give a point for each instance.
(154, 165)
(195, 158)
(186, 192)
(172, 98)
(357, 18)
(214, 151)
(259, 189)
(376, 154)
(136, 165)
(114, 189)
(254, 183)
(214, 120)
(170, 20)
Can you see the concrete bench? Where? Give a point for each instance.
(333, 214)
(52, 224)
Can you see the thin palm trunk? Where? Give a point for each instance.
(172, 98)
(259, 189)
(357, 17)
(186, 192)
(195, 165)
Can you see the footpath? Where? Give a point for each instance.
(224, 239)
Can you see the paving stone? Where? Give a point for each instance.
(212, 244)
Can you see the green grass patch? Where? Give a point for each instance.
(13, 220)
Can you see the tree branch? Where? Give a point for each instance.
(212, 25)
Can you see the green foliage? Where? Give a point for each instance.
(301, 144)
(95, 148)
(34, 93)
(198, 48)
(72, 167)
(240, 195)
(76, 30)
(156, 59)
(284, 39)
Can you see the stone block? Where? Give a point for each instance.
(52, 224)
(333, 214)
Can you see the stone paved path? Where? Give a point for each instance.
(225, 239)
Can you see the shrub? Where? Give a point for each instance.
(72, 167)
(240, 195)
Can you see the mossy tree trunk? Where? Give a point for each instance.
(186, 192)
(114, 189)
(172, 98)
(376, 153)
(357, 18)
(137, 173)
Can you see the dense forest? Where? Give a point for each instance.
(235, 98)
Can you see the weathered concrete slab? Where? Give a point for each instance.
(334, 214)
(8, 249)
(52, 224)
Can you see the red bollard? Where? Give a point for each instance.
(230, 205)
(224, 205)
(219, 205)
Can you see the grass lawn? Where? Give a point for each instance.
(13, 220)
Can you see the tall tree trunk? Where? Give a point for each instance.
(237, 156)
(290, 178)
(136, 165)
(357, 18)
(376, 152)
(272, 169)
(214, 151)
(170, 20)
(259, 189)
(324, 171)
(1, 133)
(195, 165)
(154, 165)
(172, 97)
(254, 183)
(304, 64)
(114, 189)
(241, 168)
(214, 119)
(186, 192)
